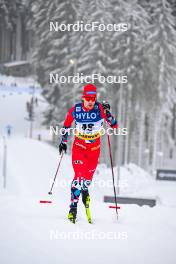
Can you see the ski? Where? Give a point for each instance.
(88, 214)
(89, 219)
(72, 215)
(72, 220)
(73, 212)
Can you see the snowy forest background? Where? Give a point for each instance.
(146, 53)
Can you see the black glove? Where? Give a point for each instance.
(62, 147)
(106, 105)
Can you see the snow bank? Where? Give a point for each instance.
(40, 233)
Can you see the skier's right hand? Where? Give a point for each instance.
(62, 147)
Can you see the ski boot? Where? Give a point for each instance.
(72, 215)
(86, 202)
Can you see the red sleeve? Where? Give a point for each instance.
(69, 117)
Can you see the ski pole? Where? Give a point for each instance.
(112, 169)
(50, 192)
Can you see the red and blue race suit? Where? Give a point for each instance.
(86, 145)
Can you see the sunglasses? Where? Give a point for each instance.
(93, 99)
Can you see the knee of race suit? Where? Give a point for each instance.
(85, 184)
(82, 184)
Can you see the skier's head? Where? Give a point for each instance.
(89, 96)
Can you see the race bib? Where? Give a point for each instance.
(89, 131)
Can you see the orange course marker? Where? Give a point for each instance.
(43, 201)
(114, 207)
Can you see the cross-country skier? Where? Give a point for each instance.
(88, 116)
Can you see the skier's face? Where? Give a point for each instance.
(89, 102)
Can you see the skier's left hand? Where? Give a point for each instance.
(106, 105)
(62, 147)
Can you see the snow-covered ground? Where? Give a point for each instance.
(31, 232)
